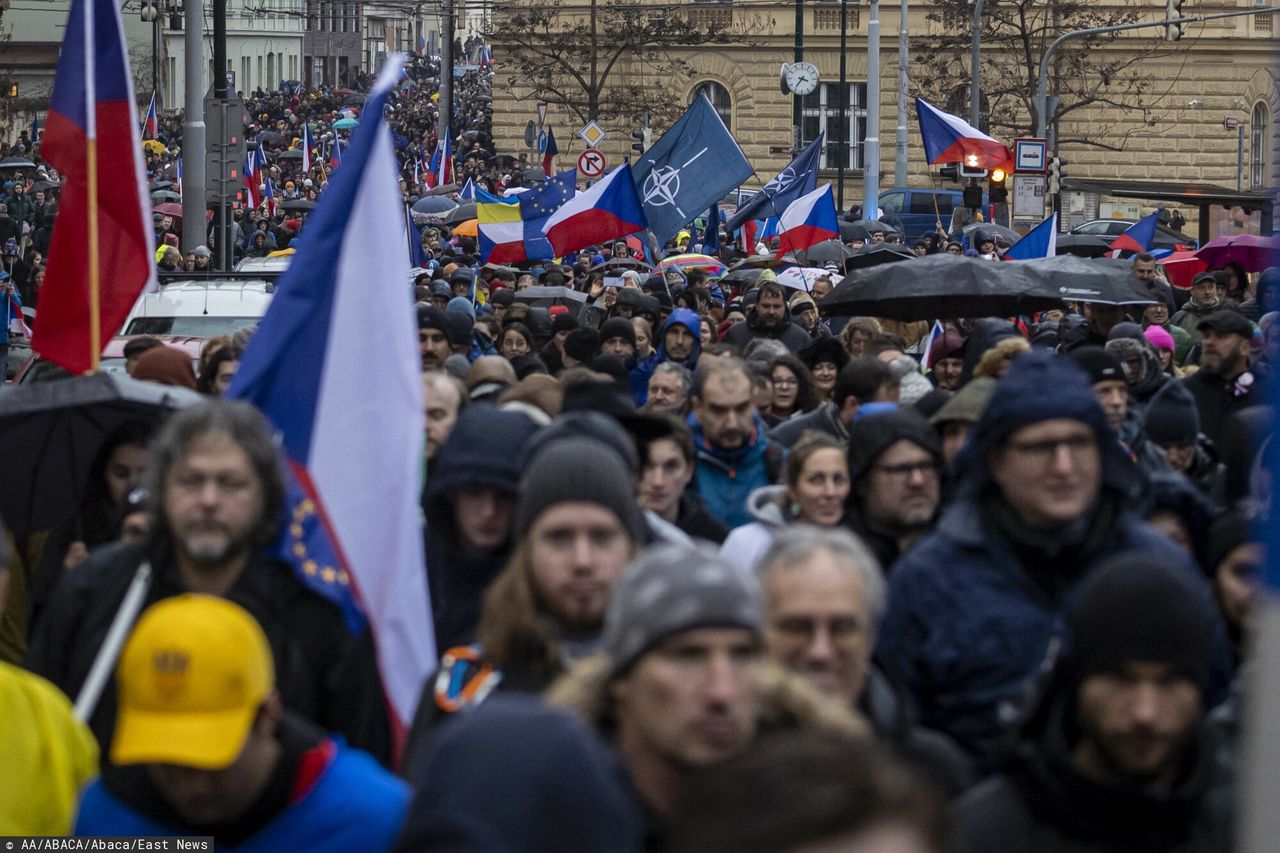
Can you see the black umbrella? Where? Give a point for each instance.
(52, 431)
(741, 277)
(997, 233)
(1105, 280)
(269, 137)
(460, 214)
(353, 100)
(44, 186)
(295, 154)
(443, 189)
(757, 261)
(1083, 245)
(16, 163)
(614, 264)
(434, 204)
(941, 286)
(826, 252)
(299, 204)
(862, 229)
(875, 254)
(547, 296)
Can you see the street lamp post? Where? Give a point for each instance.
(151, 15)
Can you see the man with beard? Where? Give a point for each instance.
(1223, 385)
(680, 342)
(895, 472)
(433, 337)
(1118, 755)
(215, 477)
(769, 319)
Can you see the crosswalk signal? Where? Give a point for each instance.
(997, 191)
(1172, 10)
(951, 172)
(1055, 175)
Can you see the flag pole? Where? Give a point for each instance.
(95, 308)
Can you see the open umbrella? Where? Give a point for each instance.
(153, 146)
(345, 124)
(741, 277)
(461, 213)
(547, 296)
(875, 254)
(1083, 245)
(160, 196)
(293, 154)
(1182, 267)
(435, 204)
(942, 285)
(997, 233)
(802, 278)
(467, 229)
(1250, 251)
(757, 261)
(23, 162)
(443, 189)
(616, 265)
(1104, 280)
(269, 137)
(686, 262)
(303, 204)
(826, 252)
(353, 100)
(51, 432)
(169, 209)
(44, 186)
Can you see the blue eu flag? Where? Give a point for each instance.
(690, 168)
(537, 205)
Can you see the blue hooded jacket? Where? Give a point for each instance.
(726, 478)
(970, 627)
(641, 371)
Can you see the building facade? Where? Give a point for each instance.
(1220, 70)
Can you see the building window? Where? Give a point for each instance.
(719, 97)
(820, 110)
(1259, 136)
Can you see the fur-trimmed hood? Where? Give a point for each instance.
(787, 701)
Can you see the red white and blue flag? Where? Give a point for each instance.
(15, 320)
(808, 220)
(252, 175)
(151, 124)
(269, 196)
(1138, 237)
(422, 46)
(351, 429)
(440, 169)
(92, 118)
(306, 148)
(951, 139)
(1039, 242)
(177, 167)
(548, 156)
(609, 210)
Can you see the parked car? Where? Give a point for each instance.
(916, 210)
(1166, 238)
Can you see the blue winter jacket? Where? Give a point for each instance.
(726, 478)
(641, 371)
(355, 805)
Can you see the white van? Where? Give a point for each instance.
(202, 308)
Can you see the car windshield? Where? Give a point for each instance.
(197, 327)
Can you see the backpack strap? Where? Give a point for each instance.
(464, 678)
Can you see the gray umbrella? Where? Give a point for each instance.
(443, 189)
(460, 214)
(434, 204)
(52, 431)
(826, 252)
(16, 163)
(546, 296)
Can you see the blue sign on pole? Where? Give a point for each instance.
(542, 142)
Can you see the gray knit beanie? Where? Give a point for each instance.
(671, 588)
(583, 470)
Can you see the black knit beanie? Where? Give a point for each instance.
(582, 344)
(1136, 609)
(1172, 415)
(576, 469)
(872, 435)
(617, 327)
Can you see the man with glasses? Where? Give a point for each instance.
(1043, 494)
(895, 472)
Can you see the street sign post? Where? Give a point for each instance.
(542, 142)
(542, 113)
(1031, 155)
(592, 163)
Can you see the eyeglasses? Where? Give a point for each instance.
(906, 470)
(1044, 452)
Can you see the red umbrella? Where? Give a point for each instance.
(172, 208)
(1181, 267)
(1250, 251)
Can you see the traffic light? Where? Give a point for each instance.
(642, 139)
(969, 168)
(951, 172)
(1055, 176)
(997, 191)
(1172, 10)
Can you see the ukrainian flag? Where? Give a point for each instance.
(499, 228)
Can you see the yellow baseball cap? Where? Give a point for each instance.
(192, 677)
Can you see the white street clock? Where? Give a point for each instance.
(801, 78)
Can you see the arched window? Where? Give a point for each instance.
(719, 97)
(1259, 140)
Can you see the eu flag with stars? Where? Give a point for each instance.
(537, 205)
(689, 169)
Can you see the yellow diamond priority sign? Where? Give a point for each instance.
(592, 134)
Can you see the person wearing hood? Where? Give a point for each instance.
(825, 358)
(469, 506)
(895, 469)
(1111, 388)
(1043, 494)
(1118, 754)
(679, 341)
(817, 485)
(770, 318)
(1173, 425)
(1143, 370)
(735, 457)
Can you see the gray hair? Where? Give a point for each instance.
(248, 429)
(679, 371)
(800, 542)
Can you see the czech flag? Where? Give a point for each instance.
(269, 196)
(808, 220)
(440, 169)
(951, 139)
(1039, 242)
(609, 210)
(151, 124)
(549, 155)
(89, 137)
(306, 148)
(252, 176)
(1138, 237)
(422, 46)
(178, 174)
(351, 429)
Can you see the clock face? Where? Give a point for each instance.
(802, 78)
